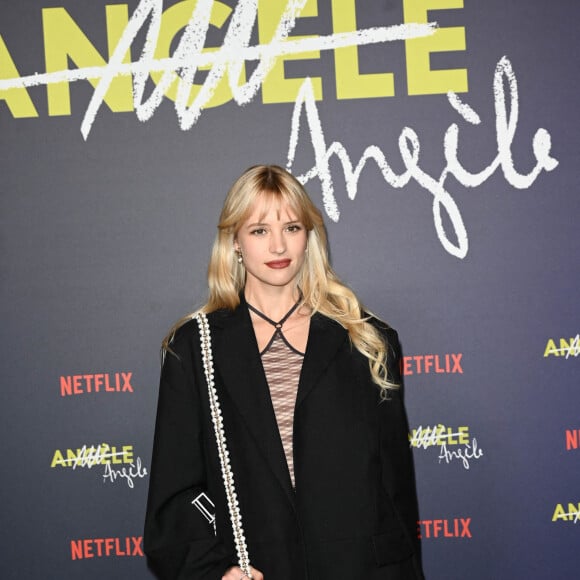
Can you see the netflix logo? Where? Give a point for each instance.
(106, 547)
(96, 383)
(572, 439)
(434, 529)
(424, 364)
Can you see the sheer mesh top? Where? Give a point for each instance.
(282, 366)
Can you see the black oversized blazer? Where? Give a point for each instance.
(352, 514)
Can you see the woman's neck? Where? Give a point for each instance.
(274, 302)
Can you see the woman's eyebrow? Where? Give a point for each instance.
(289, 222)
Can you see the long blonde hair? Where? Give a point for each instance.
(321, 289)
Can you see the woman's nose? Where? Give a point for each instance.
(277, 243)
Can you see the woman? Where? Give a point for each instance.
(315, 425)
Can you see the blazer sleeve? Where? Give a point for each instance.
(178, 540)
(396, 457)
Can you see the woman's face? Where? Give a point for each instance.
(273, 245)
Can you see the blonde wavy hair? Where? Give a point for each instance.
(321, 289)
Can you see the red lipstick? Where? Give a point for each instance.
(278, 264)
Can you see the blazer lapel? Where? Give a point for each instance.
(324, 339)
(238, 363)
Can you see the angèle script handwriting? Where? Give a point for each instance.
(129, 474)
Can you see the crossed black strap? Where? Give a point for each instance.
(277, 325)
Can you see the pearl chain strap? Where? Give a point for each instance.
(227, 473)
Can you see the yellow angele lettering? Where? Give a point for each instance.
(449, 437)
(559, 513)
(127, 453)
(64, 39)
(574, 512)
(350, 84)
(58, 459)
(105, 453)
(17, 99)
(276, 88)
(421, 80)
(551, 348)
(72, 456)
(173, 20)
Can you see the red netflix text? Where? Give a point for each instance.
(432, 363)
(106, 547)
(95, 383)
(455, 528)
(572, 439)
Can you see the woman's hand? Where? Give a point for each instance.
(235, 573)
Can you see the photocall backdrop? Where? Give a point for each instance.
(440, 139)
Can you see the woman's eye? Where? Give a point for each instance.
(258, 232)
(294, 228)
